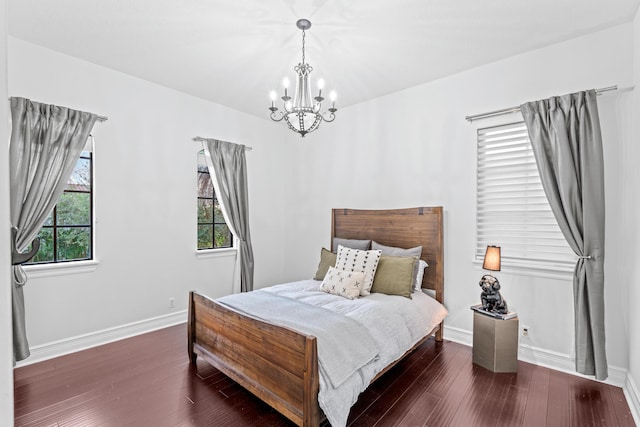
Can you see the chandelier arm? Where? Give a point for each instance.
(331, 117)
(274, 116)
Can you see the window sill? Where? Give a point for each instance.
(558, 272)
(60, 269)
(216, 253)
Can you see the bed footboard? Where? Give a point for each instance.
(277, 364)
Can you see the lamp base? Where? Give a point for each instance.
(491, 298)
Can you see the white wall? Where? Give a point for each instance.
(6, 334)
(415, 148)
(632, 160)
(145, 200)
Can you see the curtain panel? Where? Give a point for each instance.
(46, 142)
(567, 144)
(229, 166)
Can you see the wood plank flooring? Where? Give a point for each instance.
(147, 381)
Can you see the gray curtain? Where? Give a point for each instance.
(46, 141)
(567, 144)
(230, 169)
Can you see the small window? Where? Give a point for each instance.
(512, 210)
(67, 234)
(213, 232)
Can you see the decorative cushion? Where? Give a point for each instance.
(344, 283)
(327, 259)
(363, 245)
(394, 276)
(417, 284)
(356, 260)
(393, 251)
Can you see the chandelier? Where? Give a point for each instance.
(302, 115)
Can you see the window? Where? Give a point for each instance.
(67, 234)
(512, 210)
(213, 232)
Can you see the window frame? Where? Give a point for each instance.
(541, 266)
(213, 223)
(56, 263)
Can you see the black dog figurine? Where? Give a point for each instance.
(490, 296)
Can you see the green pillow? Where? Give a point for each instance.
(327, 259)
(394, 276)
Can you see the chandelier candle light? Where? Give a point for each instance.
(302, 115)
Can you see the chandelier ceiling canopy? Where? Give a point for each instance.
(303, 114)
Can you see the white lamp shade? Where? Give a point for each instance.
(492, 258)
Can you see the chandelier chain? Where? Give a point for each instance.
(303, 34)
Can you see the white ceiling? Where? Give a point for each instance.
(233, 52)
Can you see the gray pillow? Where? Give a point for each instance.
(400, 252)
(362, 245)
(393, 251)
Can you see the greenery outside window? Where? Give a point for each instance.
(67, 234)
(213, 232)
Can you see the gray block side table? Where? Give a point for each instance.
(495, 343)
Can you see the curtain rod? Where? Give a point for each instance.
(517, 109)
(199, 138)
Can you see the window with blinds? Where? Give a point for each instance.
(512, 210)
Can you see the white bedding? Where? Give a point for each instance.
(395, 323)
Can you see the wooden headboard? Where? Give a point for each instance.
(403, 228)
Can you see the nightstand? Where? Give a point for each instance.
(495, 343)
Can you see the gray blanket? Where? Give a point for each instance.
(344, 345)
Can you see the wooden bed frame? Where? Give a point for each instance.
(280, 365)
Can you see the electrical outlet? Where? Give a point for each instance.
(172, 302)
(525, 331)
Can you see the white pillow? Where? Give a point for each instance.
(344, 283)
(417, 284)
(358, 260)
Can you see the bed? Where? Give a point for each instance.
(279, 364)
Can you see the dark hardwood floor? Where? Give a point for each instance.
(147, 381)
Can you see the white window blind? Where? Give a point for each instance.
(512, 210)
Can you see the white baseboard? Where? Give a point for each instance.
(460, 336)
(633, 398)
(538, 356)
(565, 363)
(83, 342)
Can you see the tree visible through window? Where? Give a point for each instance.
(67, 234)
(213, 232)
